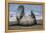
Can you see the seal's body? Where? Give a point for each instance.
(23, 19)
(27, 20)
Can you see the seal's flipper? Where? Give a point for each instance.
(33, 16)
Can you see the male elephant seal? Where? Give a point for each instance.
(24, 19)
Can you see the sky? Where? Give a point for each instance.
(37, 10)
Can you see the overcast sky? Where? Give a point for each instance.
(37, 9)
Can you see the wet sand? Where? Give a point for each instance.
(36, 27)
